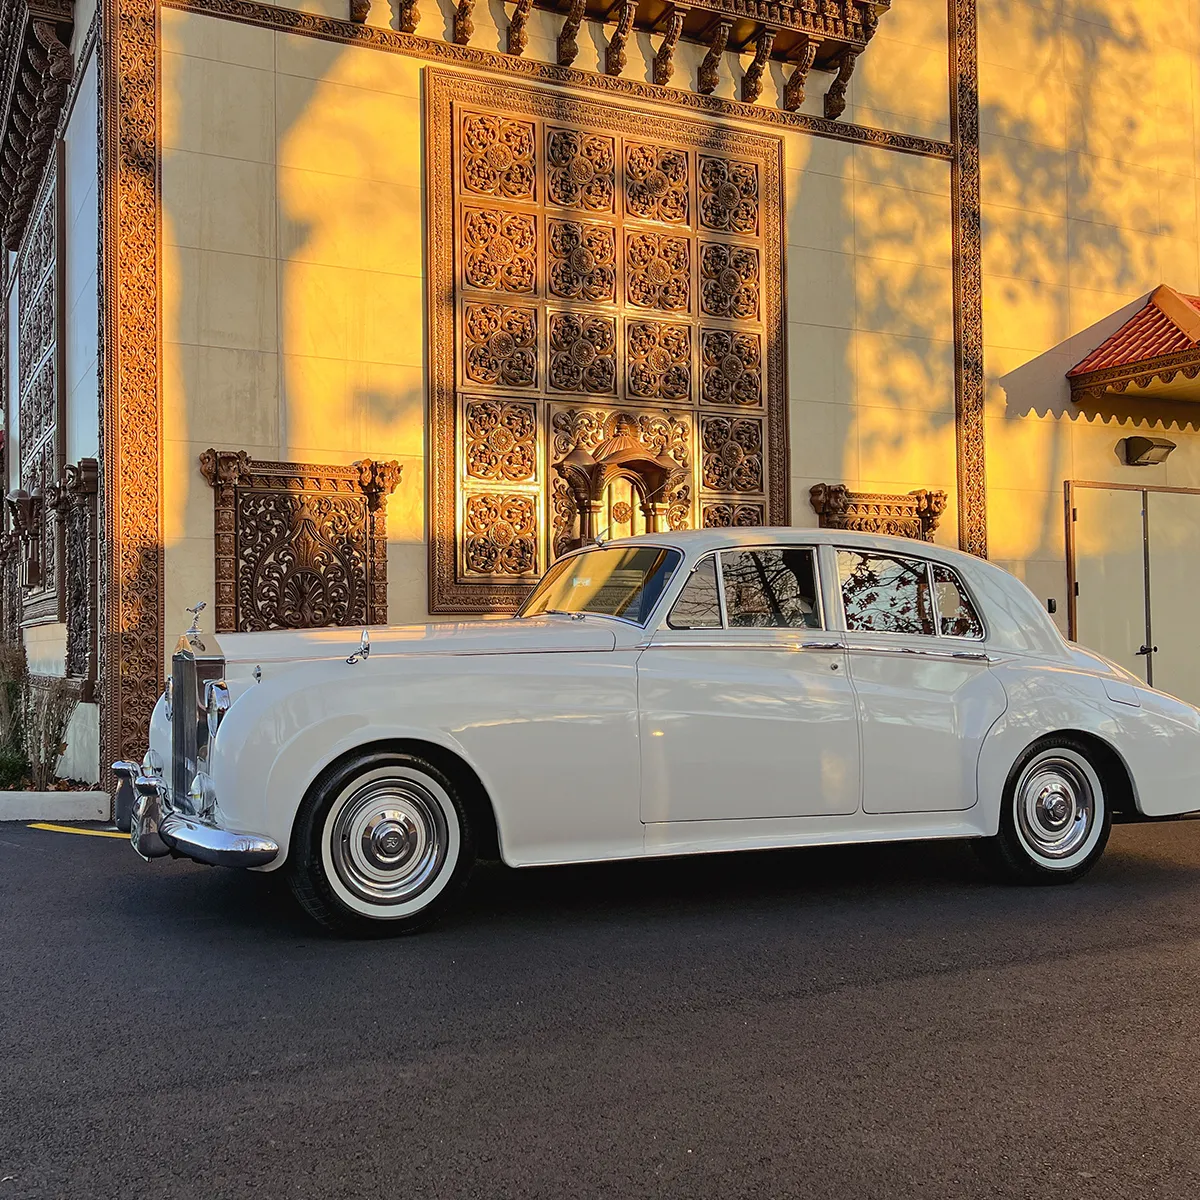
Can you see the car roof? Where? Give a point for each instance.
(698, 541)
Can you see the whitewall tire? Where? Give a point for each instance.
(381, 845)
(1055, 816)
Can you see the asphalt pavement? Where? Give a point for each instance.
(851, 1022)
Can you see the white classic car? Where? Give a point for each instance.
(668, 694)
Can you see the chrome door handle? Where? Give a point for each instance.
(822, 646)
(1148, 650)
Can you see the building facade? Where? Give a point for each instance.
(364, 311)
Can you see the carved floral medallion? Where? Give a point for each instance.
(732, 367)
(728, 281)
(659, 358)
(583, 261)
(501, 345)
(497, 157)
(583, 353)
(581, 169)
(658, 271)
(499, 250)
(728, 195)
(500, 440)
(732, 449)
(656, 183)
(500, 534)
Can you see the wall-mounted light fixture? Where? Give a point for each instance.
(1145, 451)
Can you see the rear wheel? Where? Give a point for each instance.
(381, 846)
(1055, 817)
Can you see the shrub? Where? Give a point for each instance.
(34, 715)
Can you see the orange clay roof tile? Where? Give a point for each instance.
(1151, 333)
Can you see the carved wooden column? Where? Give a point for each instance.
(709, 73)
(835, 98)
(663, 66)
(74, 502)
(464, 26)
(793, 91)
(518, 34)
(752, 80)
(568, 44)
(614, 54)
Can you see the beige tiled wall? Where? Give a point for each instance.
(1090, 122)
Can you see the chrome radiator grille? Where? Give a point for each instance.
(189, 721)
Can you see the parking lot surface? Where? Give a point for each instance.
(851, 1022)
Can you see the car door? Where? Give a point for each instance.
(925, 692)
(745, 708)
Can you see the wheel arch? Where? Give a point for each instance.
(1109, 761)
(460, 772)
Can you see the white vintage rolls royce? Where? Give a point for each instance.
(666, 694)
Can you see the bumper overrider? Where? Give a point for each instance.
(157, 827)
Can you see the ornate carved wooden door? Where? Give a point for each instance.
(596, 275)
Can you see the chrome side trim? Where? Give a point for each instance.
(205, 843)
(713, 644)
(944, 655)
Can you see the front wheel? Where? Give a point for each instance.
(381, 846)
(1055, 816)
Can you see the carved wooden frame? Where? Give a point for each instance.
(74, 502)
(446, 94)
(915, 515)
(358, 492)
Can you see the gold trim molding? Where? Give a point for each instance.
(131, 647)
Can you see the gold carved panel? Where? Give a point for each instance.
(607, 331)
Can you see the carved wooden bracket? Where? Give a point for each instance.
(464, 26)
(518, 34)
(915, 515)
(299, 545)
(835, 98)
(709, 73)
(409, 15)
(615, 53)
(752, 80)
(793, 90)
(568, 43)
(359, 11)
(663, 66)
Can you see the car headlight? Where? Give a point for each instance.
(216, 704)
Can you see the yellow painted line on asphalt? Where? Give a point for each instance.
(71, 829)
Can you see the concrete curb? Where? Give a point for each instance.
(54, 806)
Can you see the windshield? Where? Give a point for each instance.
(621, 581)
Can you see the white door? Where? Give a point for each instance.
(1110, 574)
(926, 694)
(1173, 540)
(745, 708)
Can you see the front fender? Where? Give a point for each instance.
(279, 736)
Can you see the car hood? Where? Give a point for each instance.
(547, 634)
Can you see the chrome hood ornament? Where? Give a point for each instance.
(364, 649)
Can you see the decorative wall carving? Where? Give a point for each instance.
(39, 403)
(913, 516)
(604, 308)
(74, 503)
(663, 66)
(299, 545)
(727, 513)
(968, 279)
(583, 353)
(752, 81)
(583, 261)
(500, 345)
(35, 77)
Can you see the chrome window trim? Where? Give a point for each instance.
(666, 621)
(929, 563)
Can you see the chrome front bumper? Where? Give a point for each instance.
(157, 828)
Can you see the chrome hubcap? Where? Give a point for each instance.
(1056, 806)
(389, 840)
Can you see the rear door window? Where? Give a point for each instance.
(885, 593)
